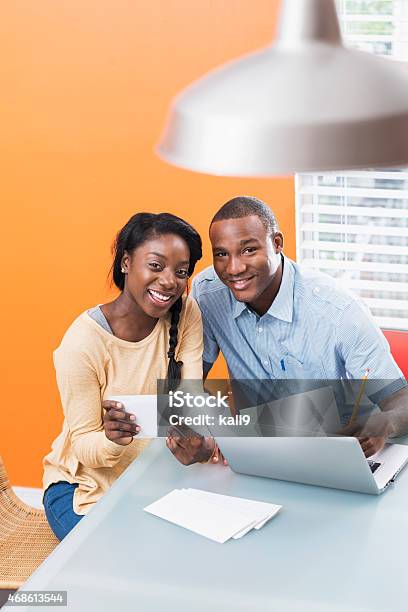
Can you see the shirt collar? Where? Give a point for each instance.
(282, 306)
(237, 307)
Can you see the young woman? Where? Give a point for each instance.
(149, 332)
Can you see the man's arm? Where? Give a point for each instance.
(194, 448)
(395, 408)
(390, 422)
(191, 448)
(363, 345)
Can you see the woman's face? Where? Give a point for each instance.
(157, 273)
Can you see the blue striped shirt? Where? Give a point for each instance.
(314, 329)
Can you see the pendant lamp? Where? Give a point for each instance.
(305, 103)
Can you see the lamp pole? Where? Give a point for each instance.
(305, 21)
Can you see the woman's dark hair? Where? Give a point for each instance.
(140, 228)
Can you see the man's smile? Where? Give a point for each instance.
(240, 284)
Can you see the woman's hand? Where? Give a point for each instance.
(119, 426)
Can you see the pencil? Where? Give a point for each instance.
(354, 414)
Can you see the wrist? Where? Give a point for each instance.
(113, 447)
(209, 449)
(392, 430)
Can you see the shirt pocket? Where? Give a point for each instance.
(293, 368)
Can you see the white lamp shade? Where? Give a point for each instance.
(305, 104)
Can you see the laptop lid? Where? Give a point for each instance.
(336, 462)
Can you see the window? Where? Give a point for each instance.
(354, 225)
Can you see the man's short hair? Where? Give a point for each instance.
(244, 206)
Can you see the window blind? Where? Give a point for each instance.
(354, 225)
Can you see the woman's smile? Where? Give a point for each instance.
(159, 298)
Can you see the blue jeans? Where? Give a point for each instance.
(58, 505)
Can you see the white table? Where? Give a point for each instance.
(327, 550)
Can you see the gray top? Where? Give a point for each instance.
(97, 314)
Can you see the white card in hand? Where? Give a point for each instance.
(144, 407)
(209, 520)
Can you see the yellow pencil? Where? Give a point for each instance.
(354, 414)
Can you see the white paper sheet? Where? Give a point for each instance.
(207, 519)
(144, 407)
(261, 512)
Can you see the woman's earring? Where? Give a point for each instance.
(123, 270)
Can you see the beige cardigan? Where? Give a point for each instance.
(92, 364)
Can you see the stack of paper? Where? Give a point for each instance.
(215, 516)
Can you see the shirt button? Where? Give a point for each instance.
(260, 329)
(266, 362)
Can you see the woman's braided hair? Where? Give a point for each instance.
(140, 228)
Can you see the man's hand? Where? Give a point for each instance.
(119, 426)
(189, 447)
(373, 434)
(372, 445)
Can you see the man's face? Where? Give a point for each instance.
(247, 258)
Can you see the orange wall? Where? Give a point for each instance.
(85, 87)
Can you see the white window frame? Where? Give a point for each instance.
(399, 37)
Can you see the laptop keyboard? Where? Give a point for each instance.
(374, 465)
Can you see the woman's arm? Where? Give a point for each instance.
(80, 393)
(190, 344)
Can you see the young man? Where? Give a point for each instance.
(272, 319)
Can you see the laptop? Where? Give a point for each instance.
(309, 413)
(337, 461)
